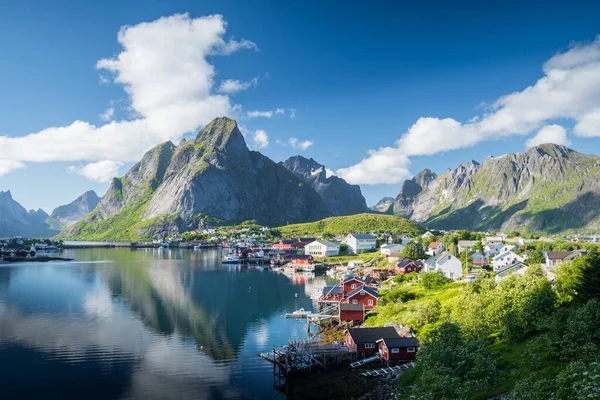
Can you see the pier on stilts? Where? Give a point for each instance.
(302, 357)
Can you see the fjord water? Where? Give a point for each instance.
(129, 324)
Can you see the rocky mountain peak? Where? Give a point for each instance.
(550, 149)
(222, 134)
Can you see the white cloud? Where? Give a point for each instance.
(7, 166)
(164, 70)
(549, 134)
(256, 114)
(329, 173)
(108, 114)
(569, 89)
(100, 171)
(292, 113)
(231, 86)
(280, 111)
(589, 124)
(299, 144)
(260, 139)
(386, 165)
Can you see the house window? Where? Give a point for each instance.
(354, 301)
(369, 345)
(362, 293)
(395, 350)
(353, 286)
(370, 302)
(410, 349)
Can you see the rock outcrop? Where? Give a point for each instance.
(340, 197)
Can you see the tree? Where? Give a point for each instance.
(433, 280)
(453, 367)
(413, 251)
(535, 257)
(467, 260)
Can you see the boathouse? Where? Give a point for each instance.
(366, 296)
(333, 293)
(398, 349)
(301, 259)
(406, 266)
(364, 340)
(352, 312)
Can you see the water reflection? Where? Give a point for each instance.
(130, 323)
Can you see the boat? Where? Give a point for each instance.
(231, 259)
(32, 251)
(301, 313)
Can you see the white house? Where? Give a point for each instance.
(359, 242)
(435, 248)
(555, 258)
(492, 249)
(508, 247)
(387, 249)
(322, 248)
(506, 258)
(450, 266)
(491, 239)
(516, 268)
(356, 263)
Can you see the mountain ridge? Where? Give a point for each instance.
(549, 188)
(213, 178)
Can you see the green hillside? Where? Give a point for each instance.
(359, 223)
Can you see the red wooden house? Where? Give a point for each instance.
(352, 312)
(406, 266)
(302, 259)
(352, 283)
(366, 296)
(398, 349)
(364, 340)
(335, 293)
(283, 245)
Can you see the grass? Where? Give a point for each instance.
(359, 223)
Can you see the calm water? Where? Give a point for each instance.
(128, 324)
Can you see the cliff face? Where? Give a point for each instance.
(17, 221)
(213, 177)
(340, 197)
(385, 205)
(548, 188)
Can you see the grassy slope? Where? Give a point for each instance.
(359, 223)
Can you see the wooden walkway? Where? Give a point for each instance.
(388, 370)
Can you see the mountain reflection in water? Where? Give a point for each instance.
(122, 323)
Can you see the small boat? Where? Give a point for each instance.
(301, 313)
(231, 259)
(32, 251)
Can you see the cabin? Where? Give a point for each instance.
(300, 259)
(364, 340)
(366, 296)
(283, 245)
(398, 349)
(335, 293)
(406, 266)
(352, 312)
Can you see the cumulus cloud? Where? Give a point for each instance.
(385, 165)
(257, 114)
(569, 89)
(232, 86)
(108, 114)
(164, 70)
(300, 144)
(549, 134)
(100, 171)
(260, 139)
(7, 166)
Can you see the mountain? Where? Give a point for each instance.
(340, 197)
(17, 221)
(549, 188)
(69, 214)
(384, 205)
(213, 178)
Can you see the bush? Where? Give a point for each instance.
(434, 280)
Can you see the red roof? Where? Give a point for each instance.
(434, 245)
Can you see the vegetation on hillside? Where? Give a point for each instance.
(523, 337)
(359, 223)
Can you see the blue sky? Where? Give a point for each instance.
(349, 77)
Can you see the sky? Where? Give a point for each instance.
(375, 91)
